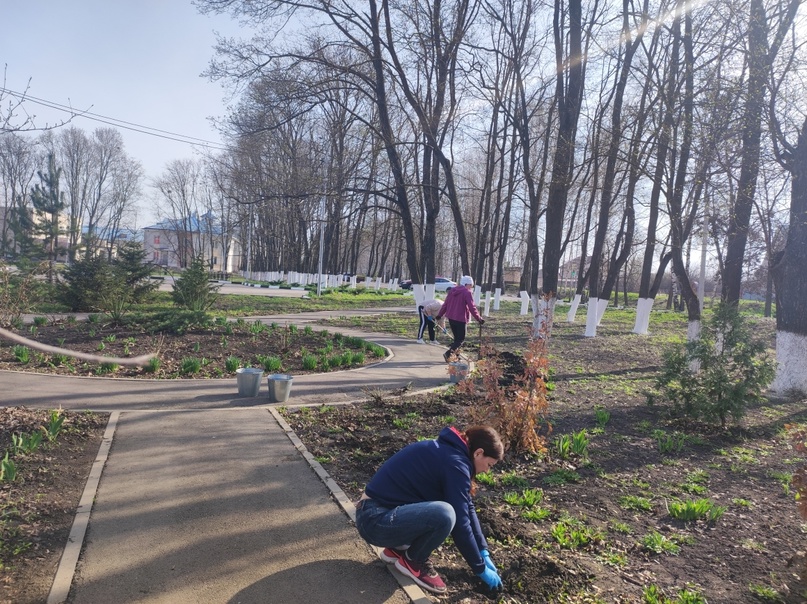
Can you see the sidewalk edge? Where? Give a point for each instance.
(415, 594)
(63, 580)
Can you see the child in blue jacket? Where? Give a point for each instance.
(421, 495)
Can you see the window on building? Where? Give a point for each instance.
(156, 256)
(156, 239)
(215, 260)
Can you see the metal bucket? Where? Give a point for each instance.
(279, 387)
(249, 381)
(457, 372)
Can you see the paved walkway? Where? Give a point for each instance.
(206, 497)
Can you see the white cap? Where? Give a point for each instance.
(466, 280)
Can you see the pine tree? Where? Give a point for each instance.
(48, 203)
(25, 247)
(131, 263)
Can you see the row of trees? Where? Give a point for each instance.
(517, 129)
(468, 135)
(66, 191)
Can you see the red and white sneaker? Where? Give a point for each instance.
(422, 573)
(390, 555)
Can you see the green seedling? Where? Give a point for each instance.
(309, 362)
(580, 443)
(486, 478)
(26, 443)
(22, 354)
(698, 509)
(106, 368)
(512, 479)
(405, 422)
(563, 446)
(271, 364)
(659, 544)
(571, 533)
(783, 478)
(669, 443)
(153, 365)
(636, 503)
(560, 477)
(764, 593)
(8, 469)
(54, 426)
(602, 416)
(190, 365)
(527, 498)
(536, 514)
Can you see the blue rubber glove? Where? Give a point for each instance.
(488, 562)
(491, 578)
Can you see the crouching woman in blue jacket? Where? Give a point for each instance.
(421, 495)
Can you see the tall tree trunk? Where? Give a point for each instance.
(740, 216)
(791, 286)
(569, 98)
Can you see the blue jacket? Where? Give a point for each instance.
(435, 470)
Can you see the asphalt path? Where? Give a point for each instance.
(409, 365)
(202, 496)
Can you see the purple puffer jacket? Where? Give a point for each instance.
(459, 305)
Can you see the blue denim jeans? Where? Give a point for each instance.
(423, 526)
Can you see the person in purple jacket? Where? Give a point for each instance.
(421, 495)
(458, 308)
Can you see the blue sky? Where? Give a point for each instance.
(133, 60)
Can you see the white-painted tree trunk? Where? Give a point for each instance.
(543, 312)
(602, 304)
(525, 300)
(571, 315)
(419, 293)
(643, 308)
(693, 333)
(591, 317)
(791, 371)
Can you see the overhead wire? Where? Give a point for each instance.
(111, 121)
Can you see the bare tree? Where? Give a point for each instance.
(570, 63)
(759, 59)
(180, 188)
(17, 169)
(790, 147)
(597, 303)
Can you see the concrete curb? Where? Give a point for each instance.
(66, 569)
(410, 588)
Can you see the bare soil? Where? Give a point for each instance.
(38, 507)
(752, 553)
(249, 342)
